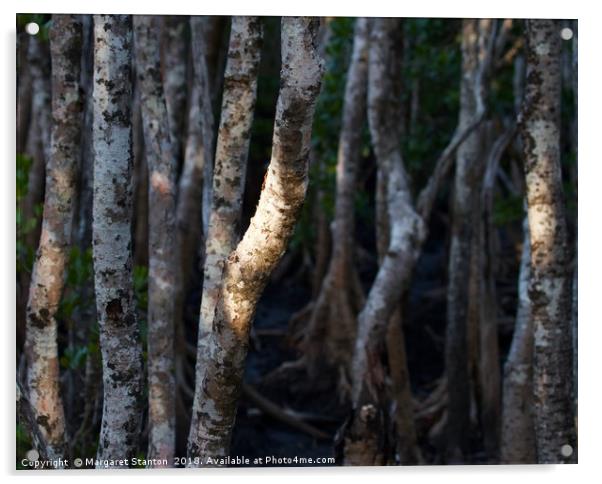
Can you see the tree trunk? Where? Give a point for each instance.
(550, 288)
(174, 62)
(238, 106)
(247, 269)
(119, 333)
(476, 35)
(330, 336)
(517, 444)
(364, 442)
(48, 275)
(162, 165)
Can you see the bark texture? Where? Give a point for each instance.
(234, 136)
(162, 165)
(112, 251)
(550, 287)
(248, 267)
(517, 444)
(47, 280)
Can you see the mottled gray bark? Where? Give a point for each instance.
(47, 280)
(550, 288)
(365, 436)
(517, 443)
(111, 232)
(476, 42)
(330, 336)
(162, 166)
(248, 267)
(234, 136)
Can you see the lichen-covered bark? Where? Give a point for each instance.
(234, 136)
(550, 288)
(175, 56)
(469, 169)
(111, 233)
(331, 332)
(248, 267)
(162, 165)
(517, 442)
(365, 437)
(47, 280)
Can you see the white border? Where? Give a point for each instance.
(590, 180)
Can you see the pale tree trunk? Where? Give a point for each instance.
(234, 136)
(550, 288)
(248, 267)
(476, 43)
(111, 232)
(162, 167)
(174, 62)
(47, 280)
(330, 336)
(364, 441)
(517, 443)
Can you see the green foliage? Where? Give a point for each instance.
(507, 209)
(23, 444)
(43, 20)
(25, 254)
(326, 129)
(141, 297)
(432, 65)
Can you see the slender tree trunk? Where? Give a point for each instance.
(174, 62)
(140, 183)
(476, 36)
(247, 269)
(331, 333)
(162, 165)
(550, 288)
(38, 139)
(517, 444)
(24, 91)
(238, 106)
(365, 437)
(486, 299)
(119, 333)
(48, 275)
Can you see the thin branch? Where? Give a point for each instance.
(270, 408)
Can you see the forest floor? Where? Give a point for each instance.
(258, 435)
